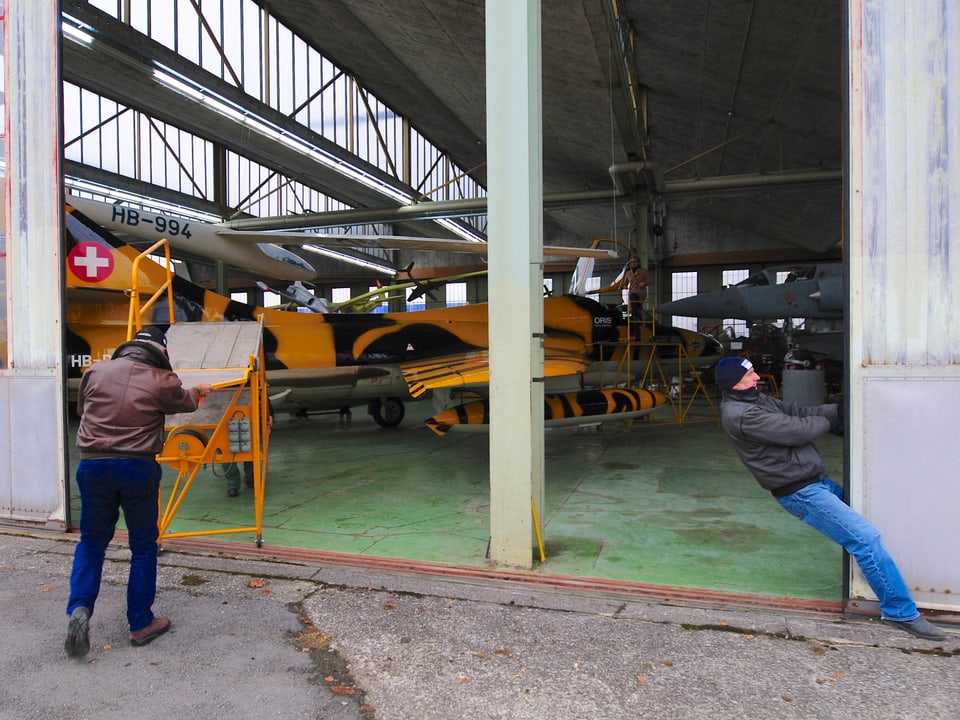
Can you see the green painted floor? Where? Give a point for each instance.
(658, 503)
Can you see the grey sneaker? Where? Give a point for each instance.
(77, 643)
(919, 627)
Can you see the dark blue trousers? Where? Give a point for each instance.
(106, 487)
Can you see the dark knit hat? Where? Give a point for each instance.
(730, 370)
(152, 334)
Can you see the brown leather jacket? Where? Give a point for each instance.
(638, 280)
(122, 403)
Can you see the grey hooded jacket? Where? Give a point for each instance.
(774, 439)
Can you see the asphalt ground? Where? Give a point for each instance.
(262, 638)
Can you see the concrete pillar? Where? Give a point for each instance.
(33, 467)
(515, 230)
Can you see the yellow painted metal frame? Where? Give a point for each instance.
(137, 310)
(773, 387)
(206, 439)
(655, 371)
(203, 437)
(635, 328)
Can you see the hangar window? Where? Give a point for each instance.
(339, 294)
(242, 44)
(682, 285)
(419, 303)
(732, 277)
(100, 133)
(593, 284)
(179, 267)
(382, 307)
(456, 294)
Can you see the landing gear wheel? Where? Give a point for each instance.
(388, 412)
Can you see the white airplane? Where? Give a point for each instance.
(237, 249)
(261, 251)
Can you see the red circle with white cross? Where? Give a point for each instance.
(90, 261)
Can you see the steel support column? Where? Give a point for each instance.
(32, 478)
(514, 159)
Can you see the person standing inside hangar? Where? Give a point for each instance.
(122, 403)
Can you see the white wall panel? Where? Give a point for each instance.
(911, 485)
(31, 448)
(904, 252)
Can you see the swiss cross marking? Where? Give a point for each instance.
(90, 262)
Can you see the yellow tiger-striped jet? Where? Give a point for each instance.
(329, 361)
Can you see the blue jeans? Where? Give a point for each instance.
(821, 506)
(106, 487)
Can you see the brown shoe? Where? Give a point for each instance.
(151, 632)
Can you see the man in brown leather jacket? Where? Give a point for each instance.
(122, 403)
(636, 279)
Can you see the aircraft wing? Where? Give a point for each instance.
(397, 242)
(474, 369)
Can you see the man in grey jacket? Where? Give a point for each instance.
(122, 403)
(775, 441)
